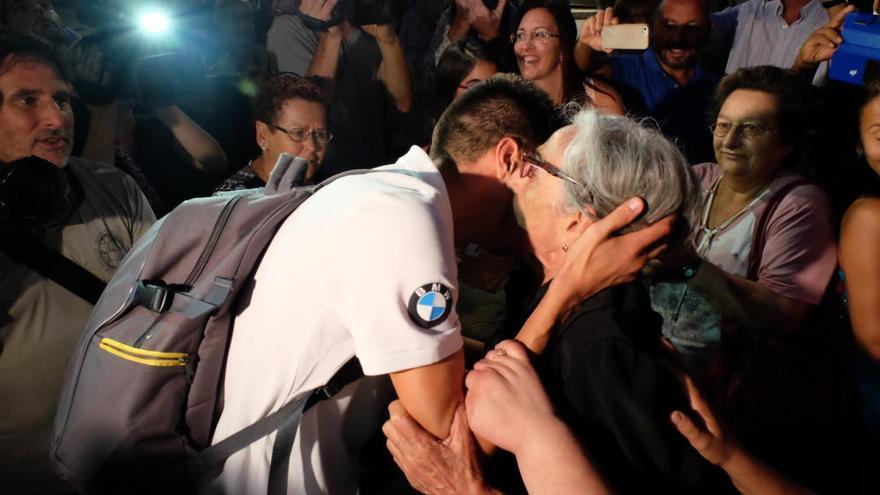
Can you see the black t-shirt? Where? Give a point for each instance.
(606, 373)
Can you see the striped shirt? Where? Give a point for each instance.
(762, 36)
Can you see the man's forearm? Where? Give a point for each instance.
(395, 73)
(750, 303)
(326, 56)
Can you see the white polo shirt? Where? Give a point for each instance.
(366, 267)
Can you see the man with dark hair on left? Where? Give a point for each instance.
(96, 215)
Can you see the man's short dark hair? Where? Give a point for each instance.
(791, 91)
(503, 105)
(15, 48)
(280, 88)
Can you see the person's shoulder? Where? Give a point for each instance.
(805, 192)
(707, 173)
(285, 22)
(610, 318)
(862, 216)
(390, 198)
(97, 173)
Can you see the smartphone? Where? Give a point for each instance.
(626, 36)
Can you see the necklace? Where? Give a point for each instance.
(706, 234)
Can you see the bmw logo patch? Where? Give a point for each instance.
(430, 304)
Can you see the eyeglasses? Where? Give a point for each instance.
(532, 160)
(539, 36)
(745, 130)
(470, 84)
(300, 134)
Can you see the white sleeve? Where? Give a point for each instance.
(401, 284)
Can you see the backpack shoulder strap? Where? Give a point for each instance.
(759, 235)
(26, 249)
(285, 420)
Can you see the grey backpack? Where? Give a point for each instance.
(143, 390)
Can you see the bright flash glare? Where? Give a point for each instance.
(153, 22)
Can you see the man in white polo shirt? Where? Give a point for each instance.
(367, 268)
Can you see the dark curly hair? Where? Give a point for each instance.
(791, 91)
(278, 89)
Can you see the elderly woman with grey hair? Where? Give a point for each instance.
(604, 367)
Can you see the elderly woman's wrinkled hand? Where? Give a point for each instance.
(433, 466)
(506, 401)
(599, 259)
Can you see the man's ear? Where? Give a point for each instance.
(508, 160)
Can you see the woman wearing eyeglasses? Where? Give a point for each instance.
(291, 117)
(738, 303)
(465, 63)
(604, 367)
(543, 44)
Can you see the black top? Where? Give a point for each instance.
(610, 381)
(244, 178)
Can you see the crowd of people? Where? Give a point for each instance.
(571, 268)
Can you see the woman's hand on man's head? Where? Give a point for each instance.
(599, 259)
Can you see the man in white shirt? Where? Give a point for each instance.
(367, 268)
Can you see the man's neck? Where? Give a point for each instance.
(478, 206)
(682, 76)
(791, 10)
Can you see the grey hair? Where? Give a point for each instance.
(616, 158)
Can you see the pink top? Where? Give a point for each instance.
(798, 260)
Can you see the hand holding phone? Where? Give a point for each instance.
(591, 31)
(626, 37)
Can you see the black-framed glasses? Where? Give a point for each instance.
(532, 160)
(745, 130)
(300, 134)
(539, 36)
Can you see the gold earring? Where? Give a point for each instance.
(564, 247)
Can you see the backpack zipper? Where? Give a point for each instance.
(210, 245)
(143, 356)
(212, 240)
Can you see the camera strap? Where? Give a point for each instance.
(24, 248)
(314, 24)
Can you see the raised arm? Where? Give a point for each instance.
(326, 56)
(821, 44)
(590, 38)
(205, 152)
(394, 70)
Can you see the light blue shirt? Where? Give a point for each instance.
(762, 36)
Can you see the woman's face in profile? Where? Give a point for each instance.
(537, 55)
(539, 203)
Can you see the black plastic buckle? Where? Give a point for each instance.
(154, 295)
